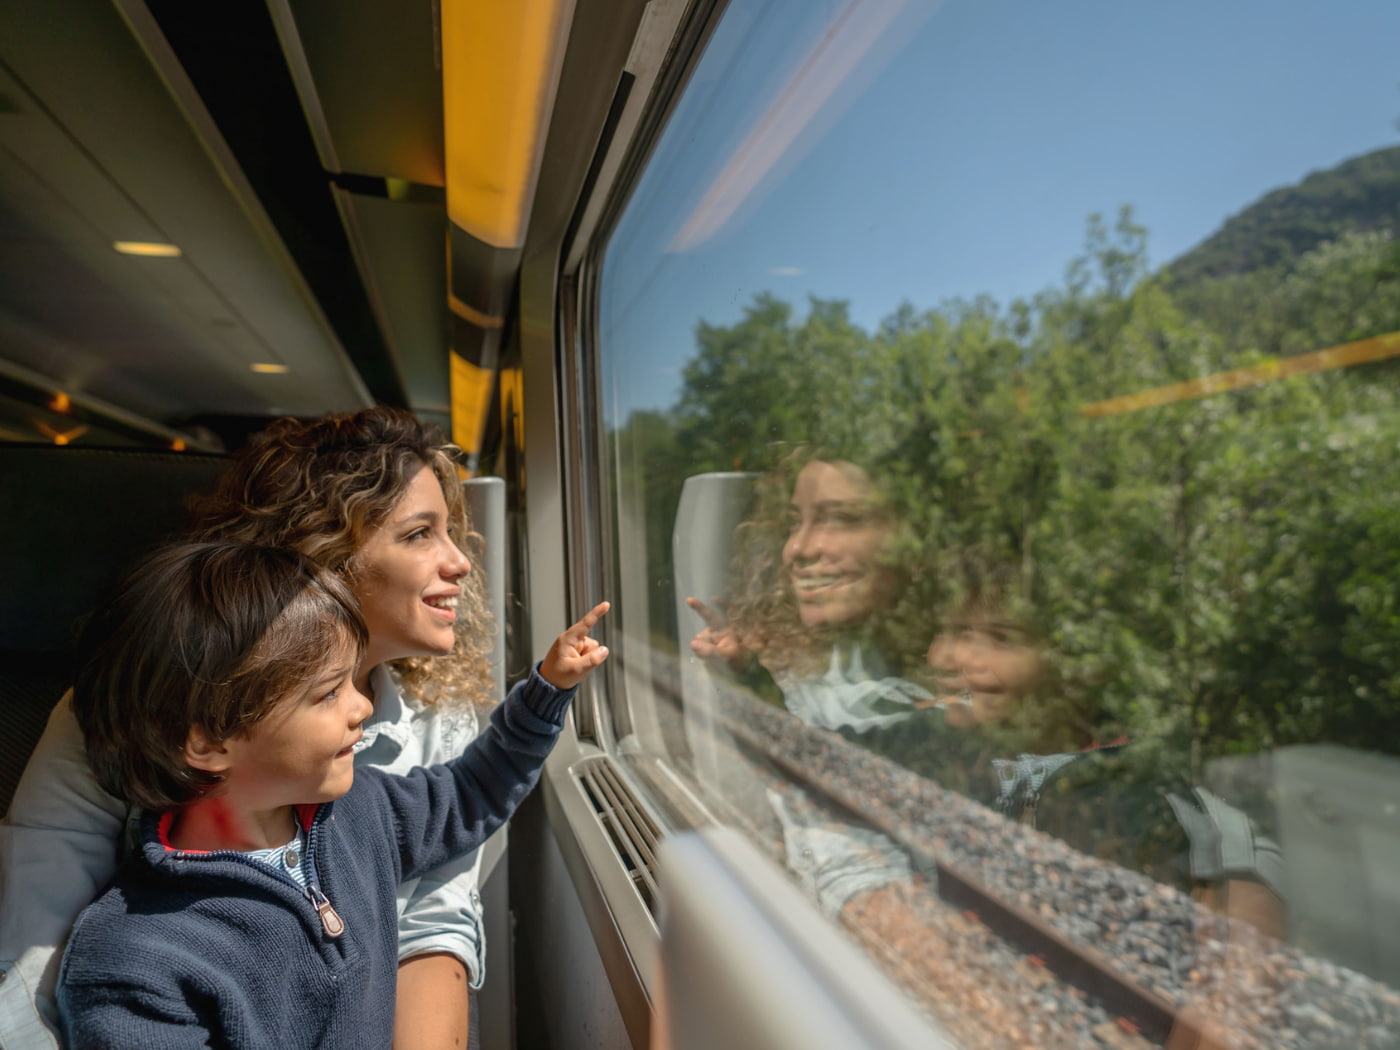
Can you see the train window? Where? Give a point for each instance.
(1000, 404)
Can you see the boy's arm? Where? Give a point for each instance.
(113, 1016)
(449, 810)
(58, 848)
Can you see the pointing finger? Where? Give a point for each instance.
(590, 619)
(713, 618)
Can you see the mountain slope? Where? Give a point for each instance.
(1362, 193)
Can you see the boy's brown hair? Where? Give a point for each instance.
(212, 635)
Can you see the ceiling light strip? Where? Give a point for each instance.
(148, 249)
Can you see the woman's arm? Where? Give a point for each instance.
(441, 912)
(432, 1009)
(441, 955)
(58, 848)
(441, 947)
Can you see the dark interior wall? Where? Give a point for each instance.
(563, 998)
(73, 520)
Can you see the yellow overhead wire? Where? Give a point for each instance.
(1377, 348)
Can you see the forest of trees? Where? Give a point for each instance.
(1218, 575)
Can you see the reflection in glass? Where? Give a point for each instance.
(1025, 580)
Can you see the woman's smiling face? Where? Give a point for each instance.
(407, 576)
(837, 535)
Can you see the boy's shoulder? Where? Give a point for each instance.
(191, 953)
(157, 893)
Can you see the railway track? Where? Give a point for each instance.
(1020, 941)
(1136, 1009)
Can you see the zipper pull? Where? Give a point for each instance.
(331, 921)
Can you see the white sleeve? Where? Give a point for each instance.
(441, 912)
(59, 846)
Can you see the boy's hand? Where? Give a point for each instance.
(718, 642)
(574, 653)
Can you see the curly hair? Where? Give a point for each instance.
(321, 487)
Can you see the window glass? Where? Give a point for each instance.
(1001, 408)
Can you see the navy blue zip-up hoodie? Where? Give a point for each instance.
(190, 949)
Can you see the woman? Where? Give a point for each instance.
(373, 496)
(823, 605)
(821, 600)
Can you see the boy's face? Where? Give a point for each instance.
(302, 752)
(988, 666)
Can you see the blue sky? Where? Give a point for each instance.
(915, 150)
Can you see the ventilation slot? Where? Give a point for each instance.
(634, 834)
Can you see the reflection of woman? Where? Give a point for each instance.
(831, 601)
(819, 607)
(835, 554)
(821, 617)
(374, 497)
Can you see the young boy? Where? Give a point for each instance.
(216, 691)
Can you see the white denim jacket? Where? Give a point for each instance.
(63, 838)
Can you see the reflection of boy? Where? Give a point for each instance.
(217, 691)
(984, 666)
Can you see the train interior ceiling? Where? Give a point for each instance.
(213, 222)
